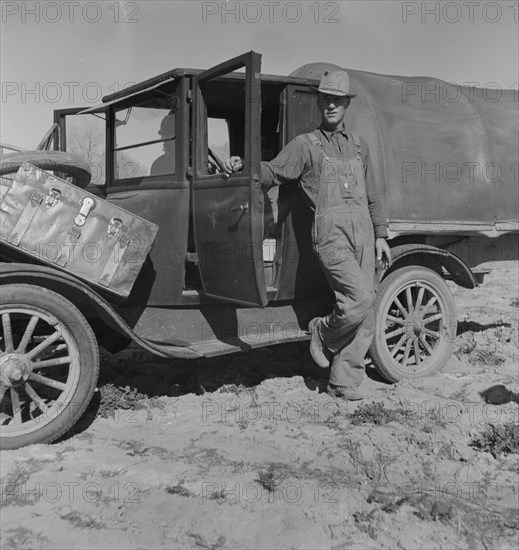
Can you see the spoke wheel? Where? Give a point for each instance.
(49, 363)
(415, 324)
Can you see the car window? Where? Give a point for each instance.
(218, 136)
(145, 140)
(85, 136)
(222, 130)
(138, 143)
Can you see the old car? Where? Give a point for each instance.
(231, 267)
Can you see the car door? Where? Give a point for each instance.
(228, 212)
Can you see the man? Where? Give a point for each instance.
(333, 170)
(165, 164)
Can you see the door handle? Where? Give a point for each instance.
(241, 208)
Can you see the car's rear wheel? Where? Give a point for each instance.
(49, 364)
(415, 324)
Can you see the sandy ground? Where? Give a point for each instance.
(246, 451)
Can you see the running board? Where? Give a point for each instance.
(211, 348)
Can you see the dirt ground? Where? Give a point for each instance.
(246, 451)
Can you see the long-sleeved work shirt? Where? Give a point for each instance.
(300, 162)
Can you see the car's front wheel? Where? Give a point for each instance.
(415, 324)
(49, 364)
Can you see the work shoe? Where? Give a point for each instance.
(316, 345)
(348, 393)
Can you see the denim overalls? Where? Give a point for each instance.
(344, 240)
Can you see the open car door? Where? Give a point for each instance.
(228, 212)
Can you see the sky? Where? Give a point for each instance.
(57, 55)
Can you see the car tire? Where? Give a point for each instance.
(415, 324)
(49, 365)
(53, 161)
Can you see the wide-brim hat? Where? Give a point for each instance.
(167, 126)
(335, 83)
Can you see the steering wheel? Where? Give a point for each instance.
(215, 162)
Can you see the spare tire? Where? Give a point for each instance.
(66, 164)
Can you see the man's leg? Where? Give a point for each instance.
(348, 331)
(353, 301)
(348, 364)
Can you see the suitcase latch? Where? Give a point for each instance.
(30, 174)
(114, 226)
(124, 241)
(53, 197)
(36, 199)
(73, 234)
(87, 204)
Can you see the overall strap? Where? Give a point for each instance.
(358, 146)
(316, 142)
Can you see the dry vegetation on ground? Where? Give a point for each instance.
(246, 451)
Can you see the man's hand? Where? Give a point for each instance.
(383, 252)
(234, 164)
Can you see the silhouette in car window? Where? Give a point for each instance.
(165, 164)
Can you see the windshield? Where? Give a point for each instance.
(85, 136)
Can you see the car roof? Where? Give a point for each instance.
(164, 79)
(175, 74)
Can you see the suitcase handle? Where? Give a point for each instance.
(87, 204)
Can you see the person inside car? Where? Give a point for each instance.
(165, 164)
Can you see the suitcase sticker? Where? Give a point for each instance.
(59, 224)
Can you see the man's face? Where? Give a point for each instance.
(332, 109)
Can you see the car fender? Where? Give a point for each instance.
(455, 266)
(81, 295)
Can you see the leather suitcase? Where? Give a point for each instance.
(59, 224)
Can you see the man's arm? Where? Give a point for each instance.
(288, 166)
(376, 210)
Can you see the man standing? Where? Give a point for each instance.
(333, 170)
